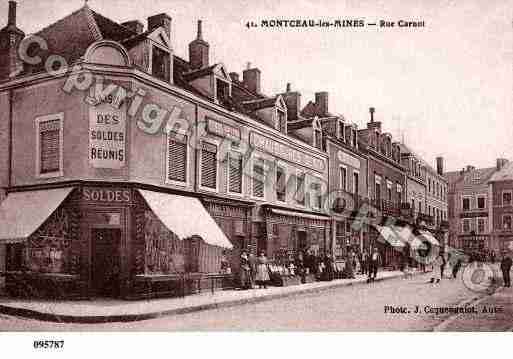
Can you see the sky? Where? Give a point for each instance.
(445, 89)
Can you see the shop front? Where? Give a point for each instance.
(107, 241)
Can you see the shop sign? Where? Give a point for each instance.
(473, 214)
(223, 130)
(107, 135)
(108, 195)
(285, 152)
(348, 159)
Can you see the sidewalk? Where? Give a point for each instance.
(103, 310)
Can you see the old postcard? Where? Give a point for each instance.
(288, 165)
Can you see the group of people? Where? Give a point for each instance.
(253, 270)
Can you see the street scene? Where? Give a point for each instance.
(343, 179)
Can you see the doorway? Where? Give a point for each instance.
(105, 262)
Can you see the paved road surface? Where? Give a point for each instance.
(354, 308)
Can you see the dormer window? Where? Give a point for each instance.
(348, 135)
(341, 135)
(355, 138)
(161, 64)
(281, 121)
(222, 91)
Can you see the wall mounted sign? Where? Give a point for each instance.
(223, 130)
(107, 135)
(285, 152)
(347, 159)
(108, 195)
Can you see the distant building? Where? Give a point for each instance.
(501, 184)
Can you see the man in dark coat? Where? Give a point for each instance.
(374, 261)
(506, 263)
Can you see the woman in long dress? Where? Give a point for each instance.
(245, 277)
(262, 275)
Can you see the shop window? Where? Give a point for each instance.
(49, 145)
(506, 222)
(481, 202)
(208, 165)
(280, 184)
(506, 198)
(177, 157)
(343, 178)
(466, 204)
(300, 189)
(235, 173)
(160, 64)
(258, 178)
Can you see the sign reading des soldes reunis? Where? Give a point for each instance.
(107, 134)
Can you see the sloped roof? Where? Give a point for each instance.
(505, 174)
(258, 104)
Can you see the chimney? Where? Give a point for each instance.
(440, 166)
(321, 102)
(373, 125)
(160, 20)
(501, 162)
(10, 38)
(470, 168)
(11, 20)
(234, 76)
(251, 79)
(199, 50)
(293, 102)
(134, 25)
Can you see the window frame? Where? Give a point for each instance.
(229, 156)
(484, 197)
(285, 173)
(504, 216)
(303, 174)
(316, 180)
(187, 154)
(51, 117)
(354, 184)
(510, 195)
(200, 162)
(340, 167)
(254, 159)
(469, 203)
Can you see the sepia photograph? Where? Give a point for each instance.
(255, 166)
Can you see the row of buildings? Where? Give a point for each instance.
(481, 208)
(135, 166)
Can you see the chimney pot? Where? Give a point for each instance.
(501, 162)
(371, 110)
(440, 165)
(288, 87)
(11, 20)
(321, 102)
(199, 50)
(251, 79)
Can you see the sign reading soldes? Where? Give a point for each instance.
(109, 195)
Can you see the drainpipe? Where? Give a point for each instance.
(196, 133)
(9, 146)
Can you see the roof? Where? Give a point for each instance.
(405, 149)
(505, 174)
(258, 104)
(311, 110)
(301, 123)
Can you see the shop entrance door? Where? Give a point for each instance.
(105, 261)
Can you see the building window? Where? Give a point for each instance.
(300, 188)
(355, 139)
(222, 91)
(466, 225)
(480, 225)
(318, 139)
(208, 165)
(466, 204)
(506, 222)
(389, 192)
(282, 121)
(258, 178)
(481, 202)
(399, 191)
(377, 193)
(356, 182)
(235, 173)
(341, 135)
(316, 194)
(176, 157)
(280, 184)
(49, 146)
(343, 178)
(506, 198)
(160, 64)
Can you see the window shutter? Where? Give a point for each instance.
(235, 170)
(50, 153)
(177, 157)
(258, 178)
(209, 165)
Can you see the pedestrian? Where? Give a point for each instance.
(456, 268)
(225, 264)
(443, 263)
(364, 260)
(262, 275)
(506, 263)
(244, 274)
(252, 268)
(438, 266)
(329, 268)
(374, 261)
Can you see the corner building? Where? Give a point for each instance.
(130, 174)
